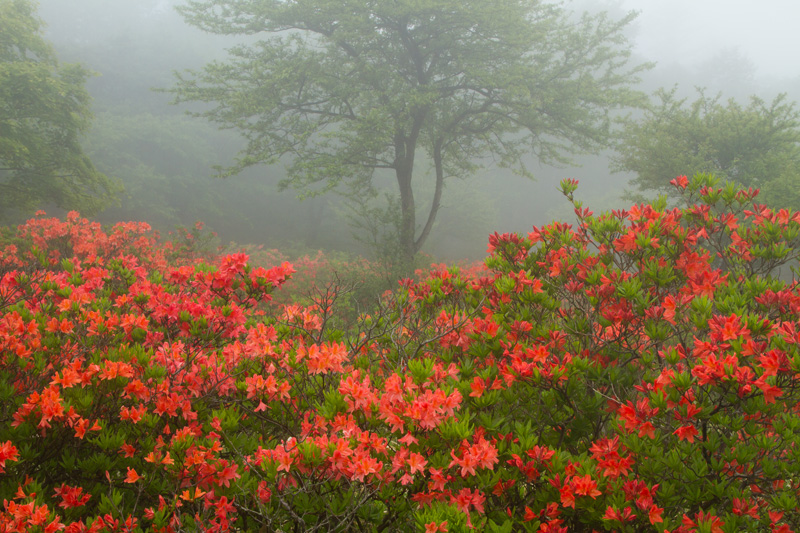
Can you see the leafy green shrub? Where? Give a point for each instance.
(636, 371)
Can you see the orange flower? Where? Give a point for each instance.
(477, 386)
(433, 527)
(686, 432)
(132, 476)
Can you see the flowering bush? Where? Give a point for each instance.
(637, 371)
(352, 284)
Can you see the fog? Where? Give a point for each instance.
(165, 159)
(692, 32)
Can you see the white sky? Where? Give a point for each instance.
(689, 31)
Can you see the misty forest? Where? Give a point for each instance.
(397, 265)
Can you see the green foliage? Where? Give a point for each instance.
(44, 111)
(162, 161)
(757, 145)
(341, 90)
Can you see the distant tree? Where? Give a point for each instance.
(757, 145)
(44, 110)
(345, 88)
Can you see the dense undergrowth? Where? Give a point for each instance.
(636, 371)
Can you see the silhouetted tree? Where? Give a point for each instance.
(44, 110)
(345, 88)
(757, 145)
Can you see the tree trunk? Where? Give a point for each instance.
(437, 196)
(408, 218)
(405, 150)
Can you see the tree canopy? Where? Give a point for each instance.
(44, 110)
(755, 145)
(343, 89)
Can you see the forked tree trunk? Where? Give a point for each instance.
(410, 243)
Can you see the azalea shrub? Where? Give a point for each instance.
(355, 282)
(352, 284)
(637, 370)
